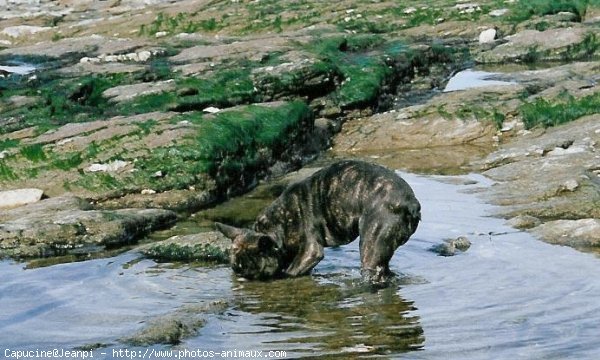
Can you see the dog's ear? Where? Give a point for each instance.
(229, 231)
(413, 216)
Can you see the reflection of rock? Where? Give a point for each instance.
(577, 233)
(13, 198)
(209, 246)
(176, 326)
(63, 225)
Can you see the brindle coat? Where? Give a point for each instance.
(330, 208)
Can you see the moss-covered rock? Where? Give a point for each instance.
(65, 225)
(210, 247)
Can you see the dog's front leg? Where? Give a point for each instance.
(308, 257)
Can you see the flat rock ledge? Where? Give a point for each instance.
(19, 197)
(69, 225)
(576, 233)
(205, 247)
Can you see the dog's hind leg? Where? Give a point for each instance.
(379, 239)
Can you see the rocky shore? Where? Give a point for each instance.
(123, 117)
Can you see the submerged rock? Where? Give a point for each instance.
(68, 224)
(209, 246)
(172, 328)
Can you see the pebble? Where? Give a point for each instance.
(487, 36)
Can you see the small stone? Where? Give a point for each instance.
(487, 36)
(148, 192)
(158, 174)
(19, 197)
(410, 10)
(133, 57)
(498, 12)
(144, 55)
(161, 34)
(571, 185)
(109, 167)
(461, 243)
(211, 110)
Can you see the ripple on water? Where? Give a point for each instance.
(508, 296)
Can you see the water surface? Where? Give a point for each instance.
(508, 297)
(470, 78)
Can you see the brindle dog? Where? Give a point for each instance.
(330, 208)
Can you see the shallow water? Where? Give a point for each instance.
(22, 69)
(508, 296)
(470, 78)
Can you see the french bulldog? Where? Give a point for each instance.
(330, 208)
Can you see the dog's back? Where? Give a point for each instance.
(335, 199)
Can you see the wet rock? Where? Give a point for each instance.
(524, 222)
(450, 246)
(92, 45)
(569, 185)
(487, 36)
(22, 30)
(19, 197)
(211, 110)
(141, 56)
(467, 8)
(206, 247)
(533, 45)
(175, 200)
(402, 131)
(535, 175)
(62, 225)
(172, 328)
(498, 12)
(577, 233)
(254, 49)
(112, 166)
(299, 74)
(129, 92)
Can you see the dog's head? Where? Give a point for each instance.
(253, 255)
